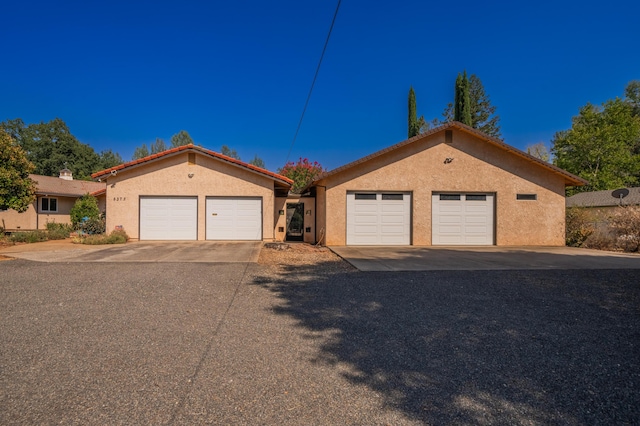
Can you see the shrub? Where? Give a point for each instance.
(84, 207)
(601, 239)
(93, 226)
(579, 226)
(116, 237)
(28, 237)
(625, 224)
(58, 231)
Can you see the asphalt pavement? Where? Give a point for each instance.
(243, 343)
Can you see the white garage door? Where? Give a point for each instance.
(462, 219)
(232, 218)
(168, 218)
(382, 218)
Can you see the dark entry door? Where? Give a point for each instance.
(295, 221)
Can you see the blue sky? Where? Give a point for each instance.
(238, 72)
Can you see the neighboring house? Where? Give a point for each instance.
(600, 204)
(55, 196)
(450, 186)
(191, 193)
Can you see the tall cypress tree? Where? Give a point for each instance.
(414, 127)
(462, 100)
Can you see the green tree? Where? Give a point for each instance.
(49, 146)
(602, 146)
(140, 152)
(483, 115)
(258, 162)
(225, 150)
(17, 190)
(413, 126)
(302, 173)
(632, 96)
(462, 100)
(539, 150)
(109, 159)
(158, 146)
(84, 207)
(181, 138)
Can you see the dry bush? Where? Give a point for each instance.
(625, 224)
(601, 239)
(579, 226)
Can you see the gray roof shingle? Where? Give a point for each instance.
(603, 199)
(49, 185)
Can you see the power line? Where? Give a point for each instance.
(313, 82)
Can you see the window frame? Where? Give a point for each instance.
(48, 209)
(527, 197)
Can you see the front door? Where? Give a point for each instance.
(295, 221)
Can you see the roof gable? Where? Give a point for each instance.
(570, 179)
(186, 148)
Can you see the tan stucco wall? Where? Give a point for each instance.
(309, 217)
(476, 167)
(30, 220)
(170, 177)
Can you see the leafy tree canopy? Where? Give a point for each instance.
(17, 190)
(51, 147)
(602, 146)
(539, 150)
(84, 207)
(303, 172)
(258, 162)
(181, 138)
(109, 159)
(225, 150)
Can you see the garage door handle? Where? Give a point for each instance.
(214, 214)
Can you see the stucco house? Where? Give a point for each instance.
(55, 196)
(452, 185)
(191, 193)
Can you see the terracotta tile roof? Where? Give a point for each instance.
(570, 179)
(49, 185)
(99, 192)
(282, 179)
(604, 199)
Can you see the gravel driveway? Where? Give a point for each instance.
(290, 341)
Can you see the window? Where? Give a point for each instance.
(476, 197)
(365, 196)
(392, 197)
(48, 204)
(449, 197)
(527, 197)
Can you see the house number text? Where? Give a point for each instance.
(119, 198)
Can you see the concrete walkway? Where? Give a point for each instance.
(482, 258)
(147, 251)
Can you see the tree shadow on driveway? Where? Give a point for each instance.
(477, 347)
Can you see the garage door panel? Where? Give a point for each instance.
(233, 218)
(168, 218)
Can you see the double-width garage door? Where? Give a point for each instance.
(462, 219)
(176, 218)
(380, 218)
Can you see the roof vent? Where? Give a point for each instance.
(66, 174)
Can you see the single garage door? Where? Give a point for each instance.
(382, 218)
(462, 219)
(168, 218)
(234, 218)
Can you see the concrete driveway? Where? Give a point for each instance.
(482, 258)
(156, 251)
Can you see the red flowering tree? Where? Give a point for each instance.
(303, 172)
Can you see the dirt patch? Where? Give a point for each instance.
(280, 255)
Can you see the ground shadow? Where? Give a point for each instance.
(478, 347)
